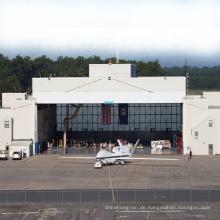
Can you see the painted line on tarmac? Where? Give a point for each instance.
(25, 216)
(113, 197)
(152, 211)
(210, 168)
(19, 213)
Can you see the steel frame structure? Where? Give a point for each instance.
(141, 117)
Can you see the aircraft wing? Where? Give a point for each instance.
(144, 158)
(120, 158)
(78, 158)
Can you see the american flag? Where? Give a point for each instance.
(106, 114)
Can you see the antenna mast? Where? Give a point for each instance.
(185, 67)
(187, 78)
(117, 56)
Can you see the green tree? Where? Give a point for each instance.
(12, 84)
(149, 69)
(94, 60)
(22, 68)
(9, 85)
(4, 67)
(43, 67)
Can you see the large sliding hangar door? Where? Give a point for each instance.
(151, 121)
(152, 105)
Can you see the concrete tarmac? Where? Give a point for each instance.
(49, 172)
(109, 211)
(47, 187)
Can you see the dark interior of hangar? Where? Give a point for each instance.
(104, 123)
(128, 121)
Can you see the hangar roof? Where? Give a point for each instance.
(21, 143)
(109, 83)
(116, 90)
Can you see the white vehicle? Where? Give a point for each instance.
(3, 154)
(160, 144)
(117, 156)
(16, 155)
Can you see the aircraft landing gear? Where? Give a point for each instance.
(120, 161)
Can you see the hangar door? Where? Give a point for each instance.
(129, 121)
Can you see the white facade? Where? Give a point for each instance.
(20, 113)
(117, 87)
(201, 124)
(112, 70)
(5, 127)
(9, 98)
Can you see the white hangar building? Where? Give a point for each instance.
(111, 103)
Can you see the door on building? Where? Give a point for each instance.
(210, 149)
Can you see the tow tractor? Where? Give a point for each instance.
(98, 164)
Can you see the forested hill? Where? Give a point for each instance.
(16, 74)
(206, 78)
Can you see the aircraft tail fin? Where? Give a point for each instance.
(119, 142)
(134, 148)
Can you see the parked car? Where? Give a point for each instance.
(3, 154)
(16, 155)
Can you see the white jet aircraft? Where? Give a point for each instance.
(118, 155)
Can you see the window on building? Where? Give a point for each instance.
(196, 134)
(210, 123)
(6, 124)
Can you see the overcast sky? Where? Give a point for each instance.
(168, 30)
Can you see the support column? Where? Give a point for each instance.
(35, 131)
(64, 135)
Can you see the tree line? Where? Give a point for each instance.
(205, 78)
(16, 74)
